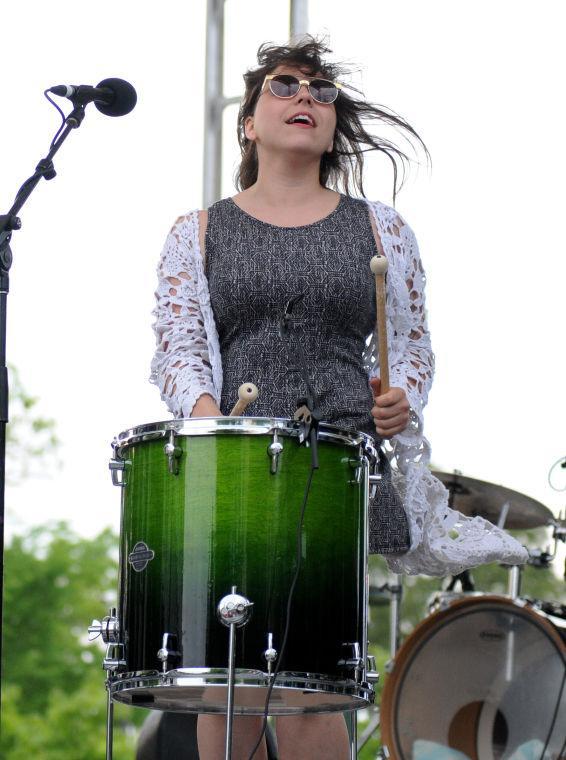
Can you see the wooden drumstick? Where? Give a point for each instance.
(247, 393)
(378, 266)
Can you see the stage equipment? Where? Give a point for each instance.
(498, 504)
(112, 97)
(209, 504)
(483, 675)
(9, 223)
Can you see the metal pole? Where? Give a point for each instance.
(351, 718)
(109, 722)
(515, 573)
(231, 678)
(213, 106)
(299, 17)
(396, 591)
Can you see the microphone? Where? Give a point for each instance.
(112, 97)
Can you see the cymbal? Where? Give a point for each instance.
(474, 498)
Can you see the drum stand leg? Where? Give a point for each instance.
(351, 718)
(234, 612)
(230, 705)
(109, 722)
(515, 573)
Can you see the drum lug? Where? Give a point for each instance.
(372, 676)
(117, 466)
(357, 465)
(274, 451)
(270, 653)
(352, 659)
(114, 659)
(108, 628)
(173, 454)
(168, 650)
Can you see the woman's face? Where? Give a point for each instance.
(272, 127)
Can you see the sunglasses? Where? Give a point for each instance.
(287, 86)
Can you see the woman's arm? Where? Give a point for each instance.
(413, 369)
(399, 411)
(181, 366)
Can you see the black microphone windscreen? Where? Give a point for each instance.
(124, 100)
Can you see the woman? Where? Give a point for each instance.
(224, 279)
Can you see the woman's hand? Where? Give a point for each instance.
(390, 410)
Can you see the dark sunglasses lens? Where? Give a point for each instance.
(284, 86)
(323, 91)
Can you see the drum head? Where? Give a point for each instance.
(482, 680)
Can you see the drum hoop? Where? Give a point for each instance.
(201, 426)
(359, 693)
(424, 632)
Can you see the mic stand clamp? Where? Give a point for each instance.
(308, 430)
(306, 413)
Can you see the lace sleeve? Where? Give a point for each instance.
(181, 365)
(413, 369)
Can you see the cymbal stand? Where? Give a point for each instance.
(514, 584)
(395, 591)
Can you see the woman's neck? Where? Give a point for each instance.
(287, 194)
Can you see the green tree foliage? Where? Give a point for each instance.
(53, 687)
(31, 440)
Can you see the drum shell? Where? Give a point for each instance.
(225, 520)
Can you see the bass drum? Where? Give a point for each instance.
(482, 679)
(211, 504)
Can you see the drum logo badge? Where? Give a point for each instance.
(140, 556)
(490, 635)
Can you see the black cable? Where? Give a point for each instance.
(43, 169)
(554, 718)
(288, 613)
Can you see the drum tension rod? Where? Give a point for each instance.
(173, 453)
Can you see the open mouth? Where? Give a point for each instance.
(302, 119)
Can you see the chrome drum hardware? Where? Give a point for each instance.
(108, 628)
(173, 454)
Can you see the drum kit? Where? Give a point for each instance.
(482, 676)
(244, 590)
(213, 530)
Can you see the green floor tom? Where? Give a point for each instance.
(214, 503)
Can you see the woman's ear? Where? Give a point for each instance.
(330, 147)
(249, 130)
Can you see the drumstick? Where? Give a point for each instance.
(246, 394)
(378, 266)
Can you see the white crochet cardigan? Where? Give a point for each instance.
(187, 363)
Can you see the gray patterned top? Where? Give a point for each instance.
(254, 268)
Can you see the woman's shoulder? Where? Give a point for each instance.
(386, 213)
(186, 222)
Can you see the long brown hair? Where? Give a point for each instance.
(343, 167)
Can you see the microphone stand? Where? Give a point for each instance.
(9, 223)
(306, 413)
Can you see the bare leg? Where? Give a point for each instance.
(211, 733)
(313, 737)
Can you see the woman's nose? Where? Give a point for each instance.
(303, 92)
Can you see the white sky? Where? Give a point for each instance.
(480, 82)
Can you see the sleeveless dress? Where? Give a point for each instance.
(253, 269)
